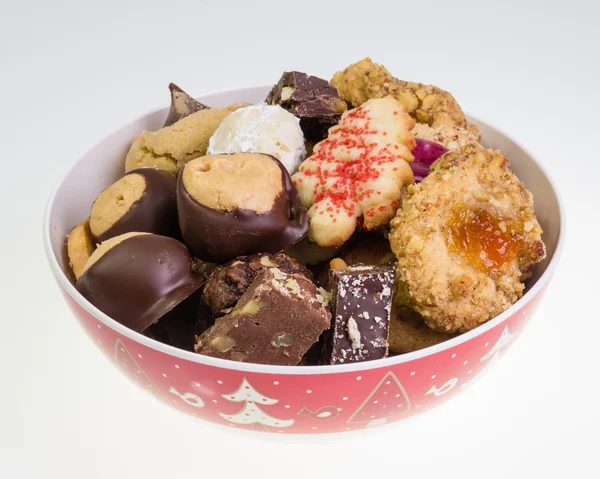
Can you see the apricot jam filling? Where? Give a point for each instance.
(485, 240)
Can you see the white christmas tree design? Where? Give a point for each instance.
(389, 398)
(446, 388)
(188, 398)
(129, 366)
(503, 340)
(491, 357)
(251, 413)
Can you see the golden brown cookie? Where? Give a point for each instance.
(452, 137)
(464, 238)
(80, 247)
(142, 200)
(173, 146)
(364, 80)
(357, 173)
(409, 333)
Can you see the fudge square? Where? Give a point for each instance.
(361, 305)
(275, 321)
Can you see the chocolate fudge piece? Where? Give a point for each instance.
(182, 105)
(361, 305)
(276, 321)
(228, 282)
(313, 100)
(180, 326)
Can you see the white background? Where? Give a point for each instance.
(70, 72)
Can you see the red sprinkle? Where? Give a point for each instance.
(349, 176)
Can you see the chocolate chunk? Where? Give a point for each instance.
(229, 282)
(217, 236)
(182, 105)
(361, 305)
(315, 102)
(180, 326)
(139, 279)
(315, 355)
(276, 321)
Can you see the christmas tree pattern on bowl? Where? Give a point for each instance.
(292, 399)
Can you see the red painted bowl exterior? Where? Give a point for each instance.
(295, 400)
(306, 403)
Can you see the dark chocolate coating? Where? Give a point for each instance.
(182, 105)
(315, 102)
(218, 236)
(362, 293)
(180, 326)
(140, 279)
(156, 210)
(227, 283)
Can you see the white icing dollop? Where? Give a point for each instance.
(261, 128)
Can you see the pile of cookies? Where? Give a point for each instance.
(332, 223)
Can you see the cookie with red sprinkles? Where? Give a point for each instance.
(355, 176)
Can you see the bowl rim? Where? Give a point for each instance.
(70, 289)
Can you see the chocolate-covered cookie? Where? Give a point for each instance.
(182, 105)
(227, 283)
(239, 204)
(313, 100)
(137, 278)
(80, 247)
(143, 201)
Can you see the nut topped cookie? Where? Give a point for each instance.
(466, 237)
(365, 79)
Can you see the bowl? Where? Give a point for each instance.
(291, 399)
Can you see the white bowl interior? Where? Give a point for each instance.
(104, 163)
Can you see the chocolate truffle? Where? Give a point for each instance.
(143, 200)
(182, 105)
(239, 204)
(229, 282)
(276, 321)
(80, 247)
(313, 100)
(361, 305)
(136, 278)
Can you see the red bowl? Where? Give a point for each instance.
(293, 399)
